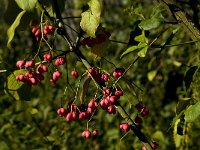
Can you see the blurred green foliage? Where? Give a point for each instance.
(35, 125)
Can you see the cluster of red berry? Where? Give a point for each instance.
(35, 74)
(95, 41)
(48, 30)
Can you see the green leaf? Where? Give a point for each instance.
(181, 106)
(130, 49)
(143, 51)
(141, 38)
(84, 89)
(189, 76)
(16, 89)
(177, 138)
(50, 6)
(11, 30)
(151, 75)
(27, 5)
(157, 12)
(192, 112)
(149, 24)
(91, 18)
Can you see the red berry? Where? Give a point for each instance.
(30, 64)
(20, 77)
(34, 30)
(42, 68)
(95, 132)
(125, 127)
(74, 74)
(86, 134)
(74, 116)
(20, 63)
(89, 111)
(61, 111)
(104, 103)
(118, 72)
(106, 91)
(93, 104)
(48, 57)
(138, 120)
(32, 81)
(111, 109)
(60, 61)
(69, 116)
(113, 99)
(139, 106)
(119, 93)
(82, 115)
(105, 77)
(57, 74)
(37, 32)
(145, 112)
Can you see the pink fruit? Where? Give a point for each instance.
(20, 63)
(95, 132)
(124, 127)
(30, 64)
(111, 109)
(57, 74)
(48, 57)
(93, 104)
(60, 61)
(113, 99)
(119, 93)
(86, 134)
(61, 111)
(74, 74)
